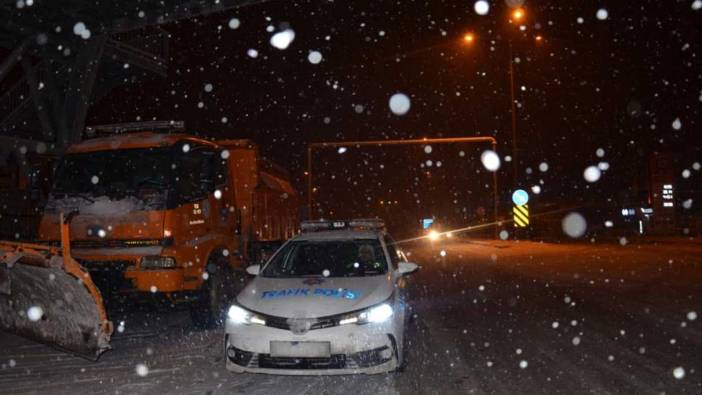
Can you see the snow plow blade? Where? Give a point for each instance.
(46, 296)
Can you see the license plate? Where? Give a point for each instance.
(300, 349)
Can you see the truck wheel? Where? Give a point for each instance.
(216, 293)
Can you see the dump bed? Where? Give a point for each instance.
(263, 192)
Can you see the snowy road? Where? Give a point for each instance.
(493, 317)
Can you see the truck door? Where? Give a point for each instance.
(194, 183)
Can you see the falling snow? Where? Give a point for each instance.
(677, 124)
(282, 40)
(481, 7)
(399, 104)
(234, 23)
(592, 174)
(490, 160)
(35, 313)
(141, 370)
(314, 57)
(574, 225)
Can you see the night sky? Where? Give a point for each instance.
(618, 84)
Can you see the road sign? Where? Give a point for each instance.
(520, 215)
(426, 223)
(520, 197)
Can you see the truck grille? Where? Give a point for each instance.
(104, 266)
(107, 243)
(108, 276)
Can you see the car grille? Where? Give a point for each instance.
(336, 361)
(282, 322)
(363, 359)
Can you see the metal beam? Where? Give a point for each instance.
(38, 99)
(79, 91)
(185, 10)
(11, 60)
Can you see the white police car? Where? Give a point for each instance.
(332, 300)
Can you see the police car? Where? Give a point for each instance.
(331, 300)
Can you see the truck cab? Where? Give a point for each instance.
(168, 214)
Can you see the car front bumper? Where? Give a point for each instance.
(368, 349)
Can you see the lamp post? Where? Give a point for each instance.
(516, 16)
(514, 115)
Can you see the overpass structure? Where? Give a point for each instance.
(57, 58)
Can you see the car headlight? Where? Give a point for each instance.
(434, 235)
(375, 314)
(239, 315)
(158, 262)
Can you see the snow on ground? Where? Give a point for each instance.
(492, 317)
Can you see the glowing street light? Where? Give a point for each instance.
(469, 38)
(518, 14)
(434, 235)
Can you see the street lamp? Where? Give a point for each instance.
(469, 38)
(518, 14)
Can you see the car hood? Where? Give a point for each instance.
(314, 297)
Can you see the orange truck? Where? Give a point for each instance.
(169, 214)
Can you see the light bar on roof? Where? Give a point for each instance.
(321, 224)
(367, 223)
(355, 224)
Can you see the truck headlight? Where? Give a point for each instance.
(238, 315)
(375, 314)
(158, 262)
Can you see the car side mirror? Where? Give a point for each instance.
(253, 270)
(407, 267)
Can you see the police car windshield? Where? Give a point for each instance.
(337, 258)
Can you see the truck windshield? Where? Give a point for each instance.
(345, 258)
(115, 173)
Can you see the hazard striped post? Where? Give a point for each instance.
(520, 215)
(520, 210)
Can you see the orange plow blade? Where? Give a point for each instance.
(46, 296)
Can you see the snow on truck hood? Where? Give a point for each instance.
(314, 297)
(102, 205)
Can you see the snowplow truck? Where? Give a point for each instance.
(165, 215)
